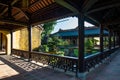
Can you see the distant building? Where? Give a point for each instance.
(71, 35)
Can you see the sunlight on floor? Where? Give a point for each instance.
(6, 71)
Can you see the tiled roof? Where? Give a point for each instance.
(89, 31)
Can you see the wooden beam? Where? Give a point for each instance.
(91, 20)
(34, 3)
(26, 16)
(112, 22)
(88, 5)
(53, 14)
(17, 9)
(67, 5)
(6, 9)
(2, 27)
(16, 13)
(103, 8)
(3, 4)
(13, 22)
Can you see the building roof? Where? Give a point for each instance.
(89, 31)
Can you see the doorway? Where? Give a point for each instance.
(3, 44)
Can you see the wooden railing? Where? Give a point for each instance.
(64, 62)
(95, 59)
(20, 53)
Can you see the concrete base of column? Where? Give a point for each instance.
(81, 76)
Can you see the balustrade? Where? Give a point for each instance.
(64, 62)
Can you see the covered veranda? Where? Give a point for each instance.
(17, 14)
(18, 69)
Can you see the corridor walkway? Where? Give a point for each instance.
(17, 69)
(109, 71)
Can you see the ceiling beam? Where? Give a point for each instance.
(34, 3)
(91, 20)
(112, 22)
(103, 8)
(26, 16)
(6, 9)
(88, 5)
(16, 13)
(13, 22)
(2, 27)
(67, 5)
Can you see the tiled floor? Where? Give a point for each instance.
(109, 71)
(18, 69)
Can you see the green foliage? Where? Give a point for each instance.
(105, 42)
(48, 28)
(76, 52)
(89, 45)
(61, 53)
(54, 42)
(65, 43)
(52, 46)
(44, 48)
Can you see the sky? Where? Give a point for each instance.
(68, 23)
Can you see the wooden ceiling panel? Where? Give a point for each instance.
(44, 10)
(39, 5)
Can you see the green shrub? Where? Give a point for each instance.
(76, 52)
(61, 53)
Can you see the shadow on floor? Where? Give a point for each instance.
(31, 71)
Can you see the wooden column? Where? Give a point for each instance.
(30, 40)
(114, 39)
(109, 39)
(81, 36)
(101, 38)
(11, 32)
(119, 40)
(1, 41)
